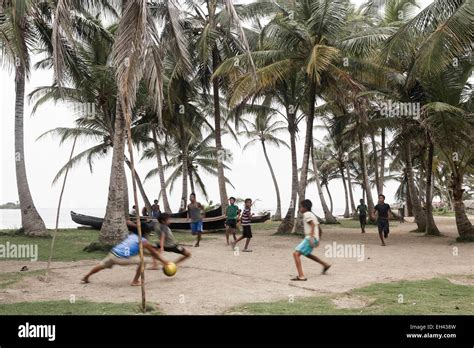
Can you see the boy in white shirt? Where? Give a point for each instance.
(312, 236)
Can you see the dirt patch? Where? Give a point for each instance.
(215, 278)
(351, 302)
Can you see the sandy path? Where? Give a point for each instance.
(216, 279)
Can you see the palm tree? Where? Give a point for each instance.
(264, 129)
(21, 29)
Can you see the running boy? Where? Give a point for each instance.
(195, 215)
(232, 214)
(362, 209)
(312, 232)
(245, 220)
(167, 241)
(126, 253)
(382, 211)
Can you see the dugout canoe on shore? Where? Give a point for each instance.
(211, 213)
(96, 222)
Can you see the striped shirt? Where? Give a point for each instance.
(246, 217)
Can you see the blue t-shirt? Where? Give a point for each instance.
(128, 247)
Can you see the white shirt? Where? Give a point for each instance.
(307, 218)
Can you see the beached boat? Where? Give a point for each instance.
(209, 223)
(256, 219)
(211, 213)
(96, 222)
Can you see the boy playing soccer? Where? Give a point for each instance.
(245, 220)
(232, 214)
(195, 214)
(382, 211)
(167, 241)
(312, 233)
(126, 253)
(362, 209)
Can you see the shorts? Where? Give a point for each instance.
(246, 231)
(231, 223)
(305, 248)
(383, 226)
(363, 219)
(177, 249)
(196, 227)
(111, 260)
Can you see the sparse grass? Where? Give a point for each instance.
(10, 278)
(77, 308)
(70, 243)
(423, 297)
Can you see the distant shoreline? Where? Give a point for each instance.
(10, 205)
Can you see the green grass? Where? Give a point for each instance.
(443, 213)
(434, 296)
(77, 308)
(70, 243)
(10, 278)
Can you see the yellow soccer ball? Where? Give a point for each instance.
(170, 269)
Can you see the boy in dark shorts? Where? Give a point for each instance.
(232, 214)
(127, 253)
(167, 241)
(382, 212)
(362, 209)
(245, 220)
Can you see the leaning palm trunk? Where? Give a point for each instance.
(299, 227)
(420, 218)
(191, 180)
(184, 192)
(327, 214)
(464, 226)
(286, 225)
(161, 174)
(382, 161)
(365, 176)
(349, 184)
(218, 133)
(31, 221)
(376, 160)
(114, 228)
(346, 195)
(277, 215)
(431, 227)
(140, 187)
(330, 199)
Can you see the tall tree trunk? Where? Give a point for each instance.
(221, 154)
(277, 215)
(126, 202)
(327, 214)
(308, 143)
(114, 227)
(31, 221)
(191, 179)
(382, 161)
(161, 174)
(330, 199)
(464, 226)
(408, 196)
(431, 227)
(286, 225)
(420, 217)
(365, 176)
(349, 184)
(376, 161)
(140, 187)
(184, 194)
(346, 195)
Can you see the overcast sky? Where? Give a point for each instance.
(44, 157)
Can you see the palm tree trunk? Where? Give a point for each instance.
(217, 129)
(330, 198)
(420, 218)
(365, 176)
(382, 161)
(191, 179)
(114, 228)
(277, 215)
(327, 214)
(286, 225)
(464, 226)
(184, 194)
(431, 227)
(346, 195)
(408, 198)
(349, 184)
(140, 186)
(376, 161)
(308, 143)
(161, 174)
(31, 221)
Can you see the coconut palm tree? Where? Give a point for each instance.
(264, 129)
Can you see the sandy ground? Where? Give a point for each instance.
(216, 278)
